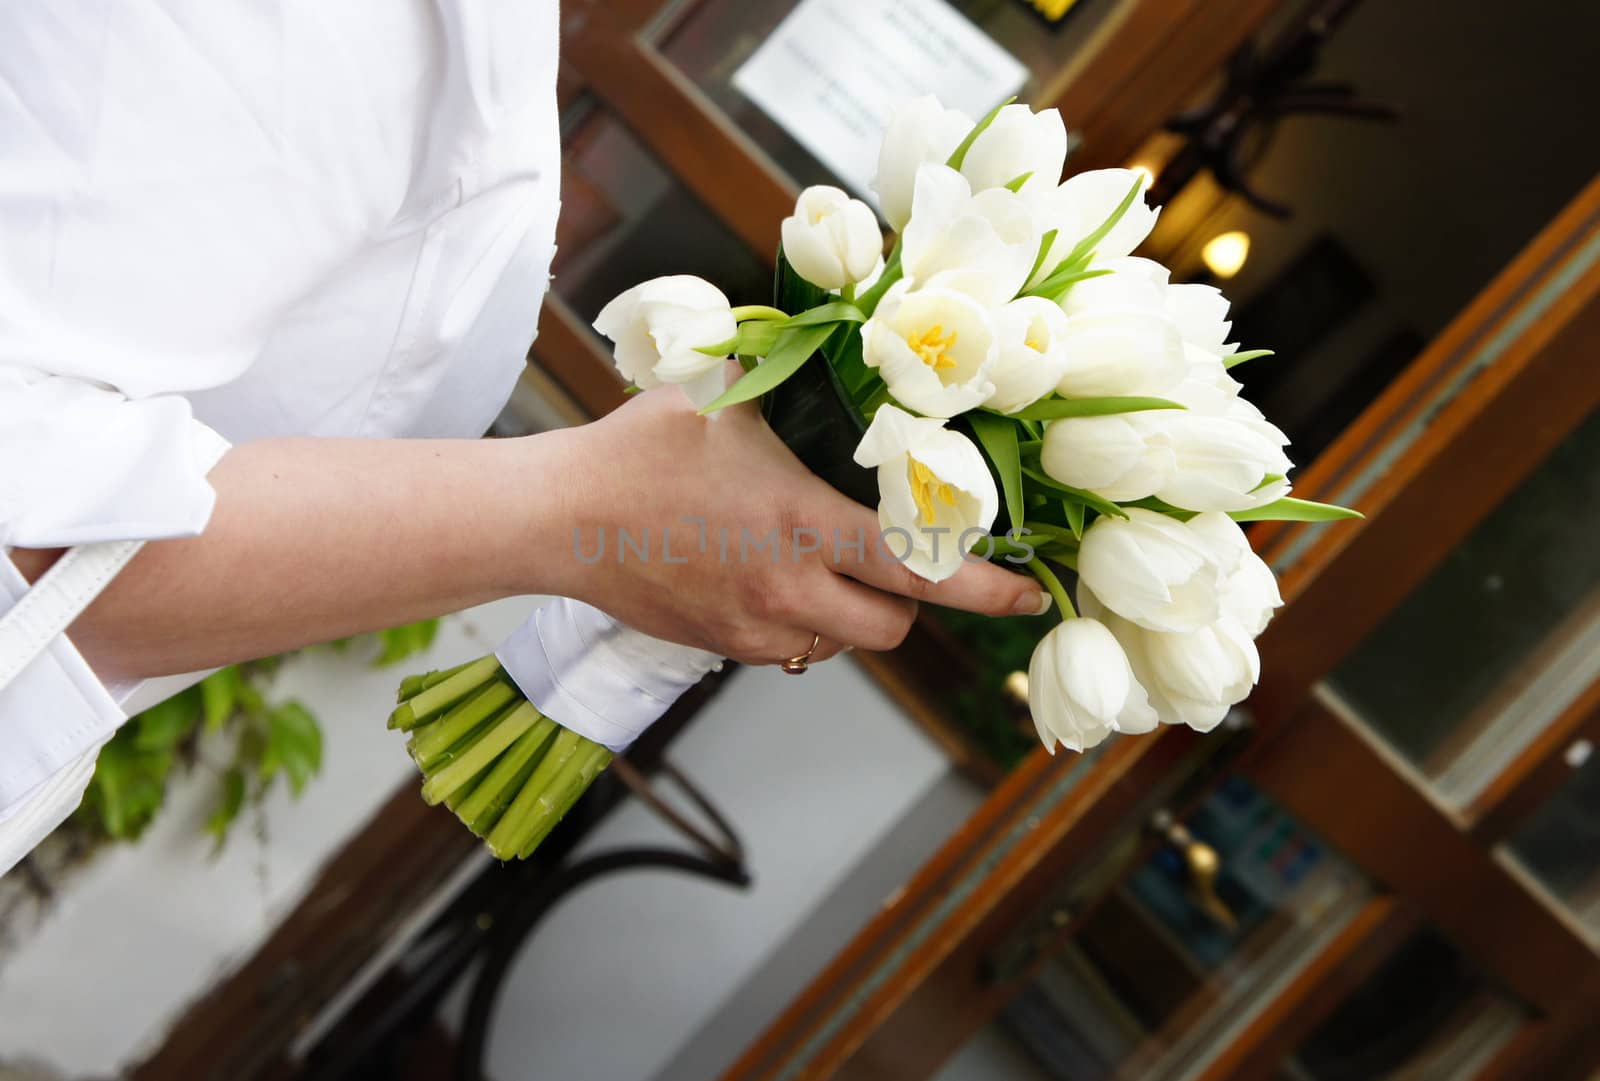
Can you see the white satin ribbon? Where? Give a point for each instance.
(596, 676)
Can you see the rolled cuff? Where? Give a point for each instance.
(597, 677)
(82, 463)
(53, 716)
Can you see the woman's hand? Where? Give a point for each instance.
(711, 533)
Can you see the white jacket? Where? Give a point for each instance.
(220, 222)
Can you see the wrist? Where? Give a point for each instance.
(557, 499)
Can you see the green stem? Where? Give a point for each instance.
(575, 780)
(482, 754)
(444, 694)
(433, 679)
(1060, 534)
(430, 742)
(1048, 579)
(757, 311)
(892, 272)
(505, 839)
(848, 293)
(874, 400)
(481, 810)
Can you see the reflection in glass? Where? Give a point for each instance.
(1560, 843)
(1154, 983)
(1425, 1013)
(717, 36)
(1389, 237)
(1500, 638)
(625, 219)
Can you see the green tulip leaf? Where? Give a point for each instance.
(1085, 247)
(1289, 509)
(1016, 182)
(1058, 408)
(1045, 241)
(1056, 285)
(999, 439)
(1249, 354)
(958, 156)
(1089, 499)
(836, 312)
(1074, 512)
(793, 349)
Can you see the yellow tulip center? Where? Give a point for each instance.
(927, 490)
(1035, 344)
(933, 346)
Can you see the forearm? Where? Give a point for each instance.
(315, 539)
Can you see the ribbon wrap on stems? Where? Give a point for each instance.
(598, 677)
(511, 741)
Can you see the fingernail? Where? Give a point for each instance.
(1037, 605)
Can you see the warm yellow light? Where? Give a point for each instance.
(1146, 174)
(1225, 254)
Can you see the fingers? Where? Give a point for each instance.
(839, 612)
(849, 613)
(986, 588)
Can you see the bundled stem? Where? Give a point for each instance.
(506, 770)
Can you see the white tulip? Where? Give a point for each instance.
(1131, 285)
(1121, 352)
(1018, 141)
(934, 347)
(1226, 455)
(1201, 315)
(1116, 456)
(1092, 197)
(934, 488)
(831, 240)
(1153, 570)
(657, 328)
(1189, 677)
(1206, 386)
(1081, 688)
(990, 238)
(920, 131)
(1031, 355)
(1219, 463)
(1249, 592)
(1216, 455)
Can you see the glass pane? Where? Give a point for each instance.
(1384, 230)
(1158, 979)
(624, 218)
(1426, 1013)
(718, 36)
(1500, 638)
(1560, 843)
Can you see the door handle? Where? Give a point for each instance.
(1202, 864)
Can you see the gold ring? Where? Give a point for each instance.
(797, 665)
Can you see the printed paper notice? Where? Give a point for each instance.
(833, 70)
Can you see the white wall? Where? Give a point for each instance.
(650, 972)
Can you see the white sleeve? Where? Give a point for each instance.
(598, 677)
(79, 463)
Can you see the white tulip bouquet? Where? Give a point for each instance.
(1011, 382)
